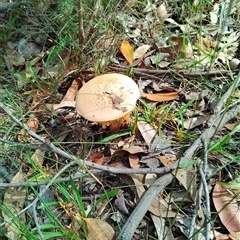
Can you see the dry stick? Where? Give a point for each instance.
(189, 73)
(195, 212)
(81, 33)
(94, 14)
(202, 172)
(133, 221)
(203, 186)
(36, 222)
(76, 176)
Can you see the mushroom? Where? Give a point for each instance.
(107, 99)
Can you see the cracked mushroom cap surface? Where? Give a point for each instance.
(107, 97)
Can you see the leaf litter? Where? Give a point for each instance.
(156, 138)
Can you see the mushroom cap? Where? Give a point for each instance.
(107, 97)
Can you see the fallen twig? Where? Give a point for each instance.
(187, 73)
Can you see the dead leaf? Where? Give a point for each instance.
(14, 200)
(187, 178)
(69, 98)
(167, 159)
(162, 11)
(160, 97)
(15, 57)
(159, 206)
(98, 229)
(162, 230)
(32, 123)
(151, 137)
(150, 178)
(127, 51)
(227, 208)
(130, 150)
(97, 158)
(141, 51)
(37, 158)
(231, 126)
(193, 122)
(117, 101)
(234, 235)
(134, 161)
(121, 204)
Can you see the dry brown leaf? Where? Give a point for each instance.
(14, 200)
(151, 137)
(223, 237)
(162, 230)
(132, 150)
(187, 178)
(231, 126)
(227, 208)
(69, 98)
(141, 51)
(98, 229)
(32, 123)
(167, 159)
(127, 51)
(37, 158)
(147, 131)
(160, 97)
(234, 235)
(97, 158)
(134, 161)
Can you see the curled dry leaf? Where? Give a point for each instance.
(127, 51)
(227, 208)
(162, 12)
(160, 97)
(69, 99)
(98, 229)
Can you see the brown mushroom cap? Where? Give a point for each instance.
(107, 97)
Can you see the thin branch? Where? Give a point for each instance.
(202, 172)
(81, 32)
(186, 73)
(36, 222)
(76, 176)
(94, 14)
